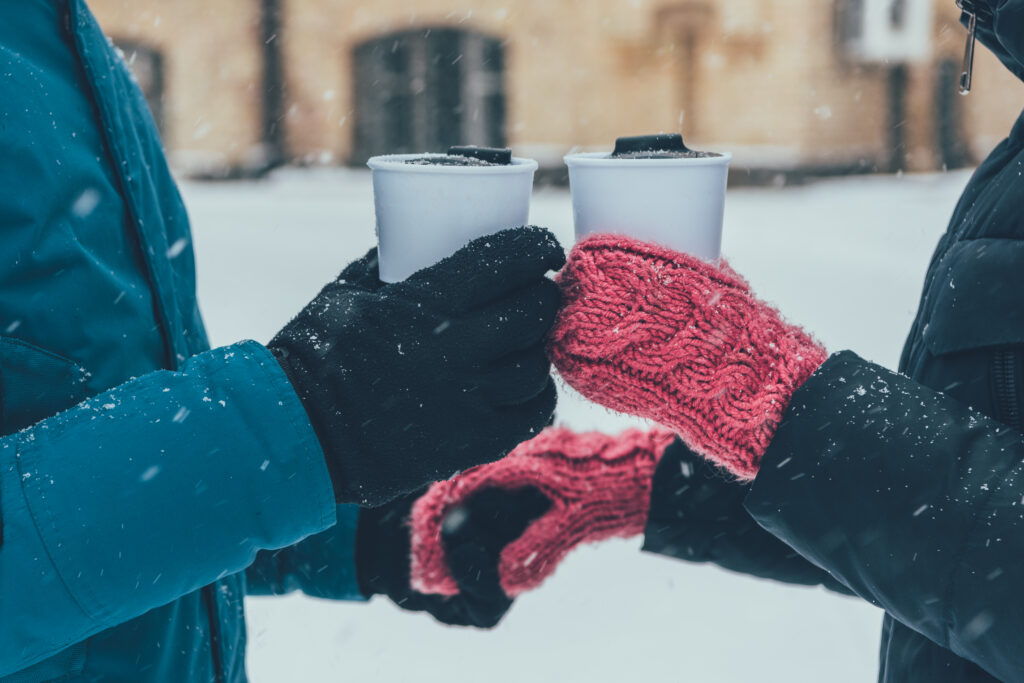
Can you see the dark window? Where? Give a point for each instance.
(147, 65)
(898, 14)
(428, 89)
(850, 20)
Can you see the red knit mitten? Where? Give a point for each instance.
(599, 487)
(659, 334)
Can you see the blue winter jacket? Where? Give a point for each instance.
(149, 471)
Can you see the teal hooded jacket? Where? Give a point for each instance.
(141, 472)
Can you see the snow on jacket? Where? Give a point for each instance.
(128, 519)
(905, 495)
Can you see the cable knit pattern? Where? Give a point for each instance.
(660, 334)
(599, 485)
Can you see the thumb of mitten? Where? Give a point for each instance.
(475, 533)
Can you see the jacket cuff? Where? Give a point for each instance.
(309, 469)
(168, 482)
(322, 566)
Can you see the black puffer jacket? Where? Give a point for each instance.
(890, 483)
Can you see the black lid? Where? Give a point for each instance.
(640, 144)
(492, 155)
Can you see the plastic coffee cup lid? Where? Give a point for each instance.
(464, 157)
(659, 146)
(457, 160)
(492, 155)
(662, 143)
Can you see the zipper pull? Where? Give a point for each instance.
(967, 71)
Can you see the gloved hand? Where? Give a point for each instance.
(697, 515)
(660, 334)
(472, 544)
(597, 487)
(407, 383)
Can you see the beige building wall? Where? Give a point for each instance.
(997, 101)
(582, 72)
(561, 59)
(762, 78)
(987, 113)
(772, 89)
(212, 74)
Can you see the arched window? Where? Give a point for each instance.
(426, 90)
(147, 65)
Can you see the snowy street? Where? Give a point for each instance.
(844, 258)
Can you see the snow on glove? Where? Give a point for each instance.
(407, 383)
(656, 333)
(599, 487)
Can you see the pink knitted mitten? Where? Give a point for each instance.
(599, 487)
(656, 333)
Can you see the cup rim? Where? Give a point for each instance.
(605, 159)
(396, 163)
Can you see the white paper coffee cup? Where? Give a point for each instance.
(678, 203)
(428, 212)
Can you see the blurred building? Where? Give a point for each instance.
(796, 86)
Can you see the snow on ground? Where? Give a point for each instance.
(844, 258)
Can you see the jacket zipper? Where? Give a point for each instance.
(208, 593)
(1004, 375)
(978, 13)
(162, 313)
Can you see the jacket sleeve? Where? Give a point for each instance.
(697, 514)
(149, 491)
(323, 566)
(910, 498)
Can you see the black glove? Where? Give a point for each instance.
(697, 514)
(473, 536)
(408, 383)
